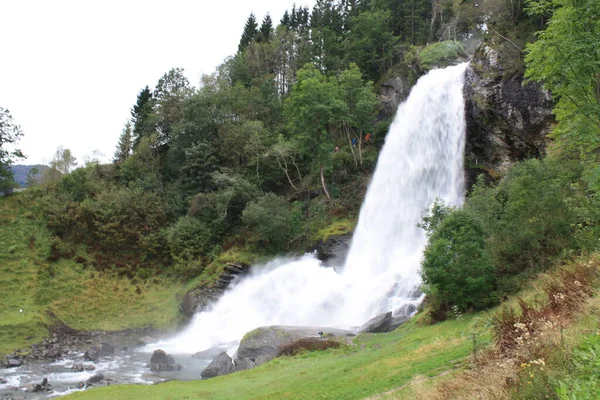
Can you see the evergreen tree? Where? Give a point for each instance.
(250, 32)
(266, 29)
(143, 116)
(285, 20)
(172, 89)
(125, 145)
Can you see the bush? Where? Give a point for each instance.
(457, 270)
(271, 221)
(307, 344)
(188, 239)
(440, 54)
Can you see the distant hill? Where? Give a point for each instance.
(20, 172)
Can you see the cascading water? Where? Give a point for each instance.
(422, 160)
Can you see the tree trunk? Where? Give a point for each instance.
(324, 185)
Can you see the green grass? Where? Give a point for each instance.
(372, 364)
(440, 54)
(79, 296)
(337, 227)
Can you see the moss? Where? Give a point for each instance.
(338, 227)
(440, 54)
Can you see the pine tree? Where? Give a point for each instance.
(143, 116)
(285, 20)
(266, 29)
(125, 145)
(250, 32)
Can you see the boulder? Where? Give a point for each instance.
(393, 92)
(507, 119)
(13, 362)
(161, 361)
(204, 295)
(382, 323)
(208, 354)
(262, 344)
(96, 353)
(334, 249)
(221, 365)
(43, 387)
(96, 378)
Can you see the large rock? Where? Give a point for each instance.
(204, 295)
(262, 344)
(334, 249)
(96, 353)
(161, 361)
(393, 92)
(382, 323)
(221, 365)
(507, 119)
(209, 354)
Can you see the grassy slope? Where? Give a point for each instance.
(373, 364)
(81, 298)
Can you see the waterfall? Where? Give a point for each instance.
(422, 160)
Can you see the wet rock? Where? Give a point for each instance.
(203, 295)
(82, 367)
(14, 362)
(208, 354)
(43, 387)
(221, 365)
(334, 249)
(3, 381)
(161, 361)
(242, 364)
(382, 323)
(393, 92)
(94, 379)
(96, 353)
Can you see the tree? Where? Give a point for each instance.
(125, 145)
(309, 111)
(457, 270)
(63, 161)
(10, 133)
(270, 219)
(249, 34)
(143, 116)
(566, 59)
(266, 29)
(172, 89)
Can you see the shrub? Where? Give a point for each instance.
(188, 239)
(456, 267)
(271, 221)
(307, 344)
(440, 54)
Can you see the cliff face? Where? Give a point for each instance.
(507, 119)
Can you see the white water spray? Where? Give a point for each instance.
(422, 160)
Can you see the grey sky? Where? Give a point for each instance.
(70, 70)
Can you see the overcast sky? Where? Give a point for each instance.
(70, 71)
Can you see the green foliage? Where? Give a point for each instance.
(271, 221)
(582, 383)
(566, 59)
(456, 268)
(440, 54)
(10, 133)
(188, 239)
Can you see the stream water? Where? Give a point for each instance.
(422, 160)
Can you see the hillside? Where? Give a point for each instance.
(22, 172)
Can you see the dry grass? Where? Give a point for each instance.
(530, 350)
(307, 344)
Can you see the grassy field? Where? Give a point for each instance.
(31, 286)
(371, 364)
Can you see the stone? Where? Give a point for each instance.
(262, 344)
(334, 249)
(221, 365)
(96, 378)
(96, 353)
(208, 354)
(382, 323)
(161, 361)
(203, 296)
(14, 362)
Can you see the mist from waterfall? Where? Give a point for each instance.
(422, 160)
